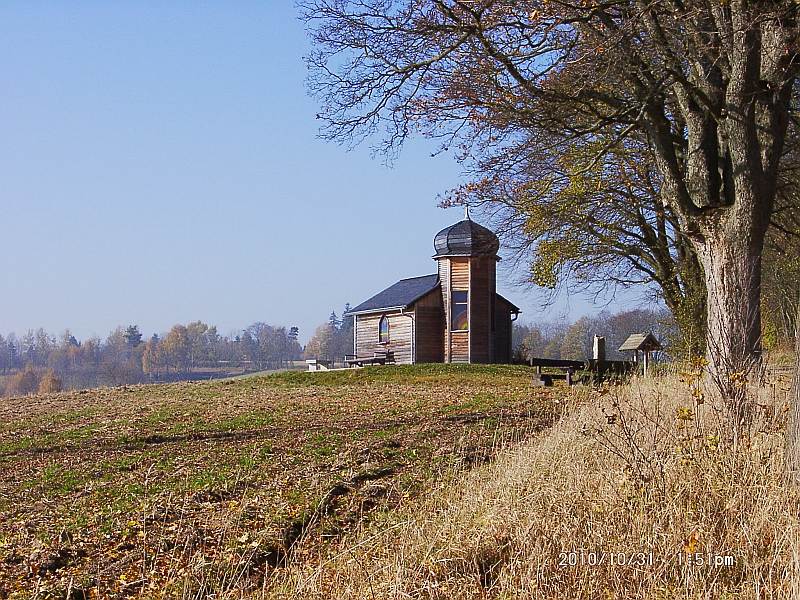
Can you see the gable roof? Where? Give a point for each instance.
(514, 308)
(640, 341)
(400, 295)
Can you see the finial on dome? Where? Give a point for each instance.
(466, 212)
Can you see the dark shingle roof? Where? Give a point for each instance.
(514, 307)
(466, 238)
(400, 295)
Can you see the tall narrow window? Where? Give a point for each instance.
(459, 316)
(383, 330)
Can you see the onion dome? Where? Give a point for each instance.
(466, 238)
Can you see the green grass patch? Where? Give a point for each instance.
(322, 445)
(48, 440)
(254, 420)
(480, 402)
(400, 374)
(57, 479)
(387, 432)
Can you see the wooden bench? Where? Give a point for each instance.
(567, 366)
(379, 357)
(596, 370)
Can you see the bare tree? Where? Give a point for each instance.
(590, 230)
(707, 85)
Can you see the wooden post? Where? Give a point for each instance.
(569, 376)
(599, 348)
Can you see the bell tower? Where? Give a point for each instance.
(467, 257)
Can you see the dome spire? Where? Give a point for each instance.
(466, 238)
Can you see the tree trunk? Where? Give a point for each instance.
(793, 426)
(732, 269)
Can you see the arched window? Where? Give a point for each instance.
(383, 330)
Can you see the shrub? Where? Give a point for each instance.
(50, 383)
(25, 382)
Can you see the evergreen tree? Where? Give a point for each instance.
(132, 336)
(344, 336)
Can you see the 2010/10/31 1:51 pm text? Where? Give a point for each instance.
(582, 557)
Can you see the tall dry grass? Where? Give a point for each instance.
(646, 473)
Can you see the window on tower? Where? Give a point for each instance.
(459, 314)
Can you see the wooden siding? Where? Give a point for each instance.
(502, 332)
(444, 279)
(460, 346)
(489, 337)
(459, 281)
(429, 328)
(480, 304)
(399, 336)
(459, 273)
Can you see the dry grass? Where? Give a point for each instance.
(643, 472)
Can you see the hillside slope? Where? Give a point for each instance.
(195, 489)
(636, 492)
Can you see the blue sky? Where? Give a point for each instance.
(160, 164)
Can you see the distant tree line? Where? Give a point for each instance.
(573, 341)
(334, 339)
(41, 362)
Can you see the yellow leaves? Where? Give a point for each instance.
(583, 172)
(699, 363)
(550, 256)
(693, 378)
(690, 546)
(738, 379)
(684, 413)
(698, 396)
